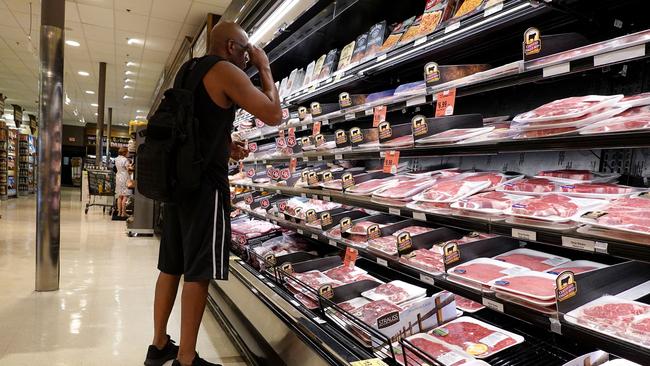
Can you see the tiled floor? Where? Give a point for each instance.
(102, 313)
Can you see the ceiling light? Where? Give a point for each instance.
(140, 111)
(72, 43)
(129, 72)
(127, 97)
(83, 73)
(271, 21)
(67, 99)
(128, 87)
(132, 41)
(130, 63)
(90, 92)
(140, 117)
(95, 105)
(128, 80)
(96, 114)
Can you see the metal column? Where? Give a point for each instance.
(108, 132)
(101, 99)
(49, 146)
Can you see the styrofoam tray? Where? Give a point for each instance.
(601, 101)
(473, 187)
(490, 211)
(549, 310)
(606, 125)
(633, 190)
(598, 178)
(413, 291)
(551, 259)
(507, 270)
(453, 357)
(423, 184)
(449, 137)
(582, 203)
(573, 264)
(490, 340)
(502, 284)
(588, 120)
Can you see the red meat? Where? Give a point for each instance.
(480, 272)
(534, 286)
(361, 227)
(630, 98)
(344, 274)
(488, 200)
(466, 304)
(413, 230)
(494, 178)
(358, 238)
(386, 244)
(465, 334)
(599, 188)
(567, 174)
(372, 311)
(562, 107)
(391, 293)
(405, 188)
(613, 314)
(622, 125)
(425, 260)
(532, 262)
(633, 203)
(636, 111)
(545, 206)
(641, 326)
(546, 133)
(313, 279)
(632, 220)
(434, 350)
(307, 301)
(367, 186)
(532, 185)
(448, 190)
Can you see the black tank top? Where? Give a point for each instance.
(215, 126)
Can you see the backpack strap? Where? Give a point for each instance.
(196, 71)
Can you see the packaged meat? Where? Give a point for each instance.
(346, 56)
(361, 227)
(467, 305)
(253, 228)
(537, 285)
(405, 189)
(430, 207)
(549, 132)
(579, 266)
(353, 304)
(553, 207)
(636, 100)
(530, 186)
(588, 119)
(310, 279)
(570, 176)
(597, 190)
(625, 214)
(396, 292)
(386, 245)
(345, 274)
(483, 270)
(467, 7)
(370, 312)
(619, 124)
(424, 259)
(450, 190)
(455, 135)
(542, 306)
(402, 141)
(370, 186)
(434, 349)
(307, 301)
(335, 184)
(532, 259)
(413, 230)
(568, 108)
(475, 337)
(488, 202)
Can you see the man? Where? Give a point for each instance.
(196, 232)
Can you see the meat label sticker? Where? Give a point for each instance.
(524, 234)
(347, 181)
(431, 73)
(269, 172)
(391, 161)
(292, 164)
(291, 132)
(252, 147)
(491, 341)
(326, 291)
(316, 109)
(445, 102)
(287, 268)
(341, 137)
(379, 115)
(282, 206)
(345, 100)
(285, 113)
(566, 286)
(385, 132)
(532, 41)
(373, 231)
(451, 254)
(404, 242)
(356, 136)
(419, 125)
(450, 358)
(350, 258)
(388, 320)
(315, 129)
(310, 216)
(302, 112)
(319, 140)
(346, 224)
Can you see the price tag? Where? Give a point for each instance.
(445, 102)
(312, 88)
(419, 41)
(278, 191)
(382, 57)
(382, 261)
(315, 129)
(270, 284)
(394, 211)
(581, 244)
(493, 305)
(379, 115)
(351, 255)
(370, 362)
(326, 122)
(303, 128)
(559, 69)
(452, 27)
(295, 303)
(327, 198)
(601, 247)
(299, 231)
(261, 277)
(314, 236)
(493, 9)
(338, 156)
(524, 234)
(331, 242)
(368, 112)
(427, 279)
(280, 142)
(252, 147)
(420, 216)
(416, 101)
(391, 161)
(619, 55)
(328, 80)
(350, 116)
(319, 320)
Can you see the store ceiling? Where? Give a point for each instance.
(102, 28)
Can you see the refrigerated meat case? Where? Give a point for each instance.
(254, 303)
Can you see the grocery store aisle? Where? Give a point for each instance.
(102, 313)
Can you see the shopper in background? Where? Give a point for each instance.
(196, 230)
(122, 165)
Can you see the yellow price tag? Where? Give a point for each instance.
(370, 362)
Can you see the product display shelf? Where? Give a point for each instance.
(578, 239)
(4, 155)
(12, 170)
(553, 323)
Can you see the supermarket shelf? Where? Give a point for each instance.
(572, 239)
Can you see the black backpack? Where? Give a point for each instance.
(169, 162)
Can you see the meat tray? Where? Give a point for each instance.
(454, 135)
(578, 122)
(572, 107)
(396, 292)
(533, 285)
(554, 207)
(567, 176)
(532, 259)
(579, 266)
(598, 190)
(625, 214)
(618, 124)
(481, 271)
(450, 190)
(490, 203)
(439, 351)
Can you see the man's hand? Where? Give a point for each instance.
(258, 57)
(237, 150)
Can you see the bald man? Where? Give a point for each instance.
(196, 230)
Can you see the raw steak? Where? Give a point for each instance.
(344, 274)
(533, 262)
(613, 315)
(599, 188)
(620, 125)
(629, 221)
(335, 232)
(572, 107)
(405, 188)
(391, 293)
(635, 112)
(466, 304)
(313, 279)
(545, 206)
(494, 178)
(307, 301)
(488, 200)
(353, 304)
(567, 174)
(480, 272)
(634, 203)
(413, 230)
(399, 141)
(253, 228)
(434, 350)
(634, 97)
(357, 238)
(425, 260)
(335, 184)
(575, 270)
(372, 311)
(368, 186)
(465, 334)
(531, 185)
(385, 244)
(449, 190)
(534, 286)
(641, 326)
(361, 227)
(546, 133)
(472, 237)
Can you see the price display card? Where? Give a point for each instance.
(445, 102)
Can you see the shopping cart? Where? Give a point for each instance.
(101, 183)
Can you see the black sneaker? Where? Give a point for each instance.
(158, 357)
(198, 361)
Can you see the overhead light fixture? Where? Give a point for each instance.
(67, 99)
(127, 80)
(127, 97)
(90, 92)
(96, 114)
(272, 20)
(140, 111)
(132, 41)
(72, 43)
(129, 72)
(83, 73)
(94, 105)
(128, 87)
(140, 117)
(130, 63)
(75, 112)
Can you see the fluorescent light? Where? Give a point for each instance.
(128, 80)
(96, 114)
(128, 87)
(129, 72)
(140, 117)
(272, 20)
(95, 105)
(83, 73)
(127, 97)
(67, 99)
(72, 43)
(140, 111)
(132, 41)
(90, 92)
(130, 63)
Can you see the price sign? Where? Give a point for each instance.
(391, 160)
(379, 115)
(291, 141)
(285, 173)
(280, 142)
(252, 146)
(315, 129)
(351, 255)
(445, 102)
(292, 164)
(259, 123)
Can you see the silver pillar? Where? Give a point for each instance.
(101, 99)
(108, 131)
(49, 146)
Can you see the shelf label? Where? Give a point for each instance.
(332, 242)
(493, 9)
(419, 41)
(382, 57)
(556, 326)
(295, 303)
(420, 216)
(314, 236)
(558, 69)
(299, 231)
(368, 112)
(391, 161)
(581, 244)
(416, 101)
(601, 247)
(305, 158)
(270, 284)
(278, 191)
(303, 127)
(382, 261)
(445, 102)
(370, 362)
(427, 279)
(494, 305)
(524, 234)
(620, 55)
(327, 81)
(338, 77)
(350, 116)
(379, 115)
(338, 156)
(452, 27)
(319, 320)
(394, 211)
(326, 122)
(261, 277)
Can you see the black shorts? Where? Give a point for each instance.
(196, 236)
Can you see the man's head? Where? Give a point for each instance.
(229, 41)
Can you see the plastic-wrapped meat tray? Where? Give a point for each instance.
(386, 245)
(488, 202)
(413, 230)
(312, 279)
(368, 187)
(497, 135)
(483, 270)
(370, 312)
(396, 292)
(530, 186)
(597, 190)
(620, 124)
(568, 108)
(536, 285)
(455, 135)
(345, 274)
(475, 337)
(551, 132)
(577, 122)
(532, 259)
(579, 266)
(624, 214)
(467, 305)
(450, 190)
(553, 207)
(570, 176)
(361, 227)
(402, 141)
(424, 259)
(405, 189)
(433, 348)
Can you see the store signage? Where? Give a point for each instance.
(312, 178)
(350, 258)
(419, 125)
(270, 260)
(265, 203)
(445, 102)
(275, 174)
(404, 242)
(326, 292)
(252, 147)
(391, 161)
(451, 254)
(341, 137)
(385, 132)
(315, 129)
(532, 42)
(287, 268)
(32, 121)
(259, 123)
(280, 142)
(566, 286)
(285, 173)
(325, 219)
(305, 141)
(327, 176)
(319, 140)
(373, 231)
(302, 112)
(379, 115)
(292, 164)
(316, 109)
(18, 115)
(344, 100)
(248, 199)
(346, 224)
(250, 172)
(347, 180)
(356, 136)
(431, 73)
